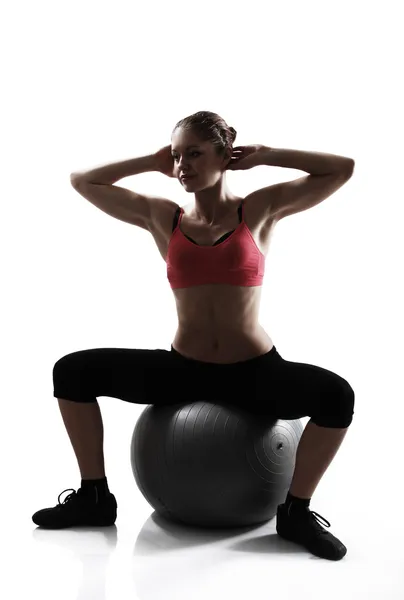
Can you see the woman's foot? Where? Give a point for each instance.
(302, 526)
(84, 508)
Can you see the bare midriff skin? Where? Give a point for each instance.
(218, 323)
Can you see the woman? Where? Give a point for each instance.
(215, 250)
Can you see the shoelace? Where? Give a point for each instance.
(69, 497)
(72, 495)
(317, 518)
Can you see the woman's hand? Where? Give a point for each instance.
(246, 157)
(165, 161)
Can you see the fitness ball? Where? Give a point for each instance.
(213, 465)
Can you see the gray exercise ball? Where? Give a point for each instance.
(213, 465)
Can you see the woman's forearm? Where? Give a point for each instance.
(315, 163)
(111, 173)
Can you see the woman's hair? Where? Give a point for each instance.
(209, 127)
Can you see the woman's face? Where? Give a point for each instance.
(196, 158)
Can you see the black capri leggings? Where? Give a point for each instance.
(267, 384)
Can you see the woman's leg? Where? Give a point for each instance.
(130, 375)
(83, 422)
(315, 452)
(294, 390)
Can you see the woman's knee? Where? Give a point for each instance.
(69, 379)
(70, 363)
(339, 407)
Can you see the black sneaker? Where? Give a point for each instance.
(78, 510)
(303, 527)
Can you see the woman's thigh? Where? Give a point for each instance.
(140, 376)
(292, 390)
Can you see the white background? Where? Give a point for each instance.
(88, 83)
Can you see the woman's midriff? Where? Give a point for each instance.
(219, 324)
(230, 348)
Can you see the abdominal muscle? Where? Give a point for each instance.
(219, 324)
